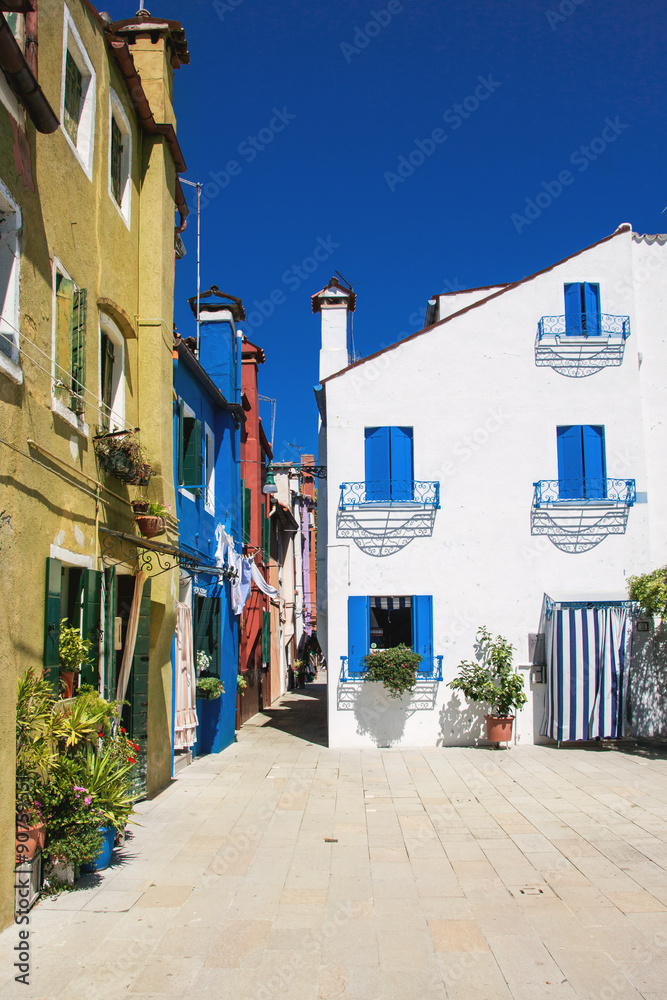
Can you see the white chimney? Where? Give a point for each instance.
(333, 303)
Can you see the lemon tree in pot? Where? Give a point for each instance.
(492, 680)
(395, 668)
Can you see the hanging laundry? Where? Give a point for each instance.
(246, 579)
(260, 581)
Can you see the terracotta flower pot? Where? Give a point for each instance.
(28, 840)
(499, 728)
(140, 506)
(149, 526)
(67, 677)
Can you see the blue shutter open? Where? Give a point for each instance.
(593, 462)
(401, 463)
(358, 632)
(378, 469)
(570, 463)
(591, 299)
(422, 630)
(573, 309)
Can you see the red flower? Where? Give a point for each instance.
(132, 760)
(101, 735)
(136, 746)
(122, 730)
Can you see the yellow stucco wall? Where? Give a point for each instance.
(56, 499)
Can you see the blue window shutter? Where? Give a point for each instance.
(401, 463)
(422, 629)
(591, 309)
(573, 309)
(570, 462)
(378, 474)
(358, 632)
(593, 461)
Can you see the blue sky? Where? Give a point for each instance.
(335, 109)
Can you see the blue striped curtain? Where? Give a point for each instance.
(586, 673)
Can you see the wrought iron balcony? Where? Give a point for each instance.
(383, 492)
(430, 669)
(604, 325)
(621, 492)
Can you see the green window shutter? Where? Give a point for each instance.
(90, 623)
(106, 379)
(192, 454)
(73, 89)
(138, 688)
(116, 160)
(266, 637)
(52, 622)
(79, 313)
(247, 501)
(63, 358)
(109, 681)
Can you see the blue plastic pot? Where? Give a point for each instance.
(103, 859)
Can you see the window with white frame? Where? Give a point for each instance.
(209, 467)
(120, 157)
(69, 343)
(16, 23)
(112, 375)
(77, 106)
(10, 227)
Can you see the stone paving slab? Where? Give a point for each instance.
(283, 869)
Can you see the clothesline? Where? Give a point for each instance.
(245, 570)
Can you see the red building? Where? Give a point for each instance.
(255, 623)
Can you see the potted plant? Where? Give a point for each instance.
(73, 652)
(35, 759)
(395, 668)
(209, 688)
(140, 505)
(299, 676)
(151, 523)
(241, 684)
(492, 680)
(120, 455)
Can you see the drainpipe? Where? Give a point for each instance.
(31, 40)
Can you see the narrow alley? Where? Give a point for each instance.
(282, 869)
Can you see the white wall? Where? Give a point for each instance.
(484, 419)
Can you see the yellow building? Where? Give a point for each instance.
(88, 189)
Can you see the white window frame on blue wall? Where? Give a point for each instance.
(209, 469)
(358, 625)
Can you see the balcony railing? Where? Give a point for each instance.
(390, 491)
(622, 492)
(430, 669)
(604, 325)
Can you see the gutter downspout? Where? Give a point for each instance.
(22, 79)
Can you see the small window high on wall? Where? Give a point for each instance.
(120, 158)
(10, 225)
(77, 104)
(582, 309)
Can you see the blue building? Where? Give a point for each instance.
(207, 422)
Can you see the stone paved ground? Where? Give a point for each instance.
(282, 869)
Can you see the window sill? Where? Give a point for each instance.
(124, 217)
(69, 417)
(86, 167)
(11, 369)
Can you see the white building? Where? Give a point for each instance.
(495, 475)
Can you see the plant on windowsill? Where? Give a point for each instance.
(395, 668)
(73, 653)
(492, 680)
(151, 522)
(650, 591)
(209, 688)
